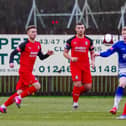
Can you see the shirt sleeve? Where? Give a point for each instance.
(13, 53)
(41, 55)
(21, 47)
(110, 51)
(68, 44)
(91, 48)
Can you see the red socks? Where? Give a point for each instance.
(82, 89)
(76, 93)
(10, 100)
(25, 93)
(28, 91)
(124, 110)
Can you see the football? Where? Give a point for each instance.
(108, 39)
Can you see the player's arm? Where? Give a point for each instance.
(44, 56)
(20, 48)
(66, 55)
(66, 52)
(11, 61)
(92, 54)
(109, 51)
(106, 53)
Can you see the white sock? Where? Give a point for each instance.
(19, 97)
(75, 104)
(117, 100)
(3, 106)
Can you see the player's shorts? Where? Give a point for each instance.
(83, 75)
(25, 79)
(122, 72)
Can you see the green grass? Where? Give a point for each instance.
(57, 111)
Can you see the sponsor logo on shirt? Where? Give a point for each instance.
(33, 54)
(80, 49)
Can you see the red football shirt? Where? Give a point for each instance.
(29, 52)
(80, 48)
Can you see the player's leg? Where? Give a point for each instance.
(85, 87)
(77, 90)
(35, 87)
(86, 80)
(76, 77)
(11, 99)
(123, 116)
(118, 94)
(28, 80)
(76, 93)
(32, 89)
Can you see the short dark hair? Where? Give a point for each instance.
(79, 23)
(30, 27)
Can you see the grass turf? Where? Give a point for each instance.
(57, 111)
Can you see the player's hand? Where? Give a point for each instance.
(74, 59)
(11, 65)
(96, 54)
(50, 52)
(92, 65)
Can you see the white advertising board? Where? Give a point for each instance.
(51, 65)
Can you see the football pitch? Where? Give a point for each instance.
(57, 111)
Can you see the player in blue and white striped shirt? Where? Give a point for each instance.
(120, 48)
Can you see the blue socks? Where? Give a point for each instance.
(119, 92)
(118, 96)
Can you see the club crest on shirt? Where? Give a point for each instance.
(38, 47)
(76, 77)
(86, 43)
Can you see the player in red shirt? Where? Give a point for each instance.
(80, 45)
(27, 83)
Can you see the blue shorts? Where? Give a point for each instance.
(122, 72)
(122, 75)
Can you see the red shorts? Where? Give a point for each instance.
(83, 75)
(25, 79)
